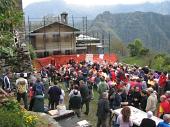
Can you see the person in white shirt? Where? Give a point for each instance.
(75, 87)
(22, 88)
(124, 120)
(62, 97)
(151, 101)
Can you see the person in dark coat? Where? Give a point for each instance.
(75, 103)
(167, 85)
(136, 98)
(54, 96)
(84, 91)
(38, 89)
(103, 110)
(118, 99)
(111, 96)
(148, 122)
(143, 100)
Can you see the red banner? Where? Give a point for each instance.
(64, 59)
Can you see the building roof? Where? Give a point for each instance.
(82, 37)
(54, 23)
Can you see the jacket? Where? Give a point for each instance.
(103, 108)
(75, 102)
(151, 102)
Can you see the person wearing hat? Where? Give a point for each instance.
(152, 100)
(148, 122)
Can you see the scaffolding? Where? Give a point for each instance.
(81, 23)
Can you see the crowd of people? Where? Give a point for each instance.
(118, 85)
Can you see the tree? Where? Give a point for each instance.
(159, 62)
(10, 19)
(136, 48)
(144, 51)
(138, 45)
(132, 49)
(118, 47)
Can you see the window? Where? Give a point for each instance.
(56, 38)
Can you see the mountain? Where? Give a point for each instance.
(151, 28)
(55, 7)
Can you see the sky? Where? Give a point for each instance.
(94, 2)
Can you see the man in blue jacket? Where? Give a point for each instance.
(166, 121)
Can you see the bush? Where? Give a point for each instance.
(11, 119)
(12, 115)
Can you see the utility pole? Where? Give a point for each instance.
(103, 42)
(29, 29)
(44, 37)
(72, 43)
(109, 43)
(86, 25)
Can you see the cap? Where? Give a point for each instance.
(150, 89)
(149, 114)
(75, 92)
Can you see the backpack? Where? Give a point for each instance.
(21, 86)
(2, 80)
(38, 89)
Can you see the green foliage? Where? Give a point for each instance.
(12, 115)
(10, 119)
(138, 44)
(160, 62)
(132, 50)
(118, 47)
(144, 51)
(136, 48)
(32, 52)
(11, 106)
(10, 16)
(143, 25)
(6, 38)
(134, 61)
(10, 19)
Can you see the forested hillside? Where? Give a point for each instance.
(152, 28)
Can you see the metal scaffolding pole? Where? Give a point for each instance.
(109, 43)
(74, 43)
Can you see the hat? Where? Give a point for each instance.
(155, 92)
(149, 114)
(150, 89)
(75, 92)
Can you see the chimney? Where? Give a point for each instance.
(64, 18)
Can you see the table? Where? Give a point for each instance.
(63, 114)
(67, 118)
(137, 115)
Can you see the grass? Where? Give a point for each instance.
(141, 61)
(91, 117)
